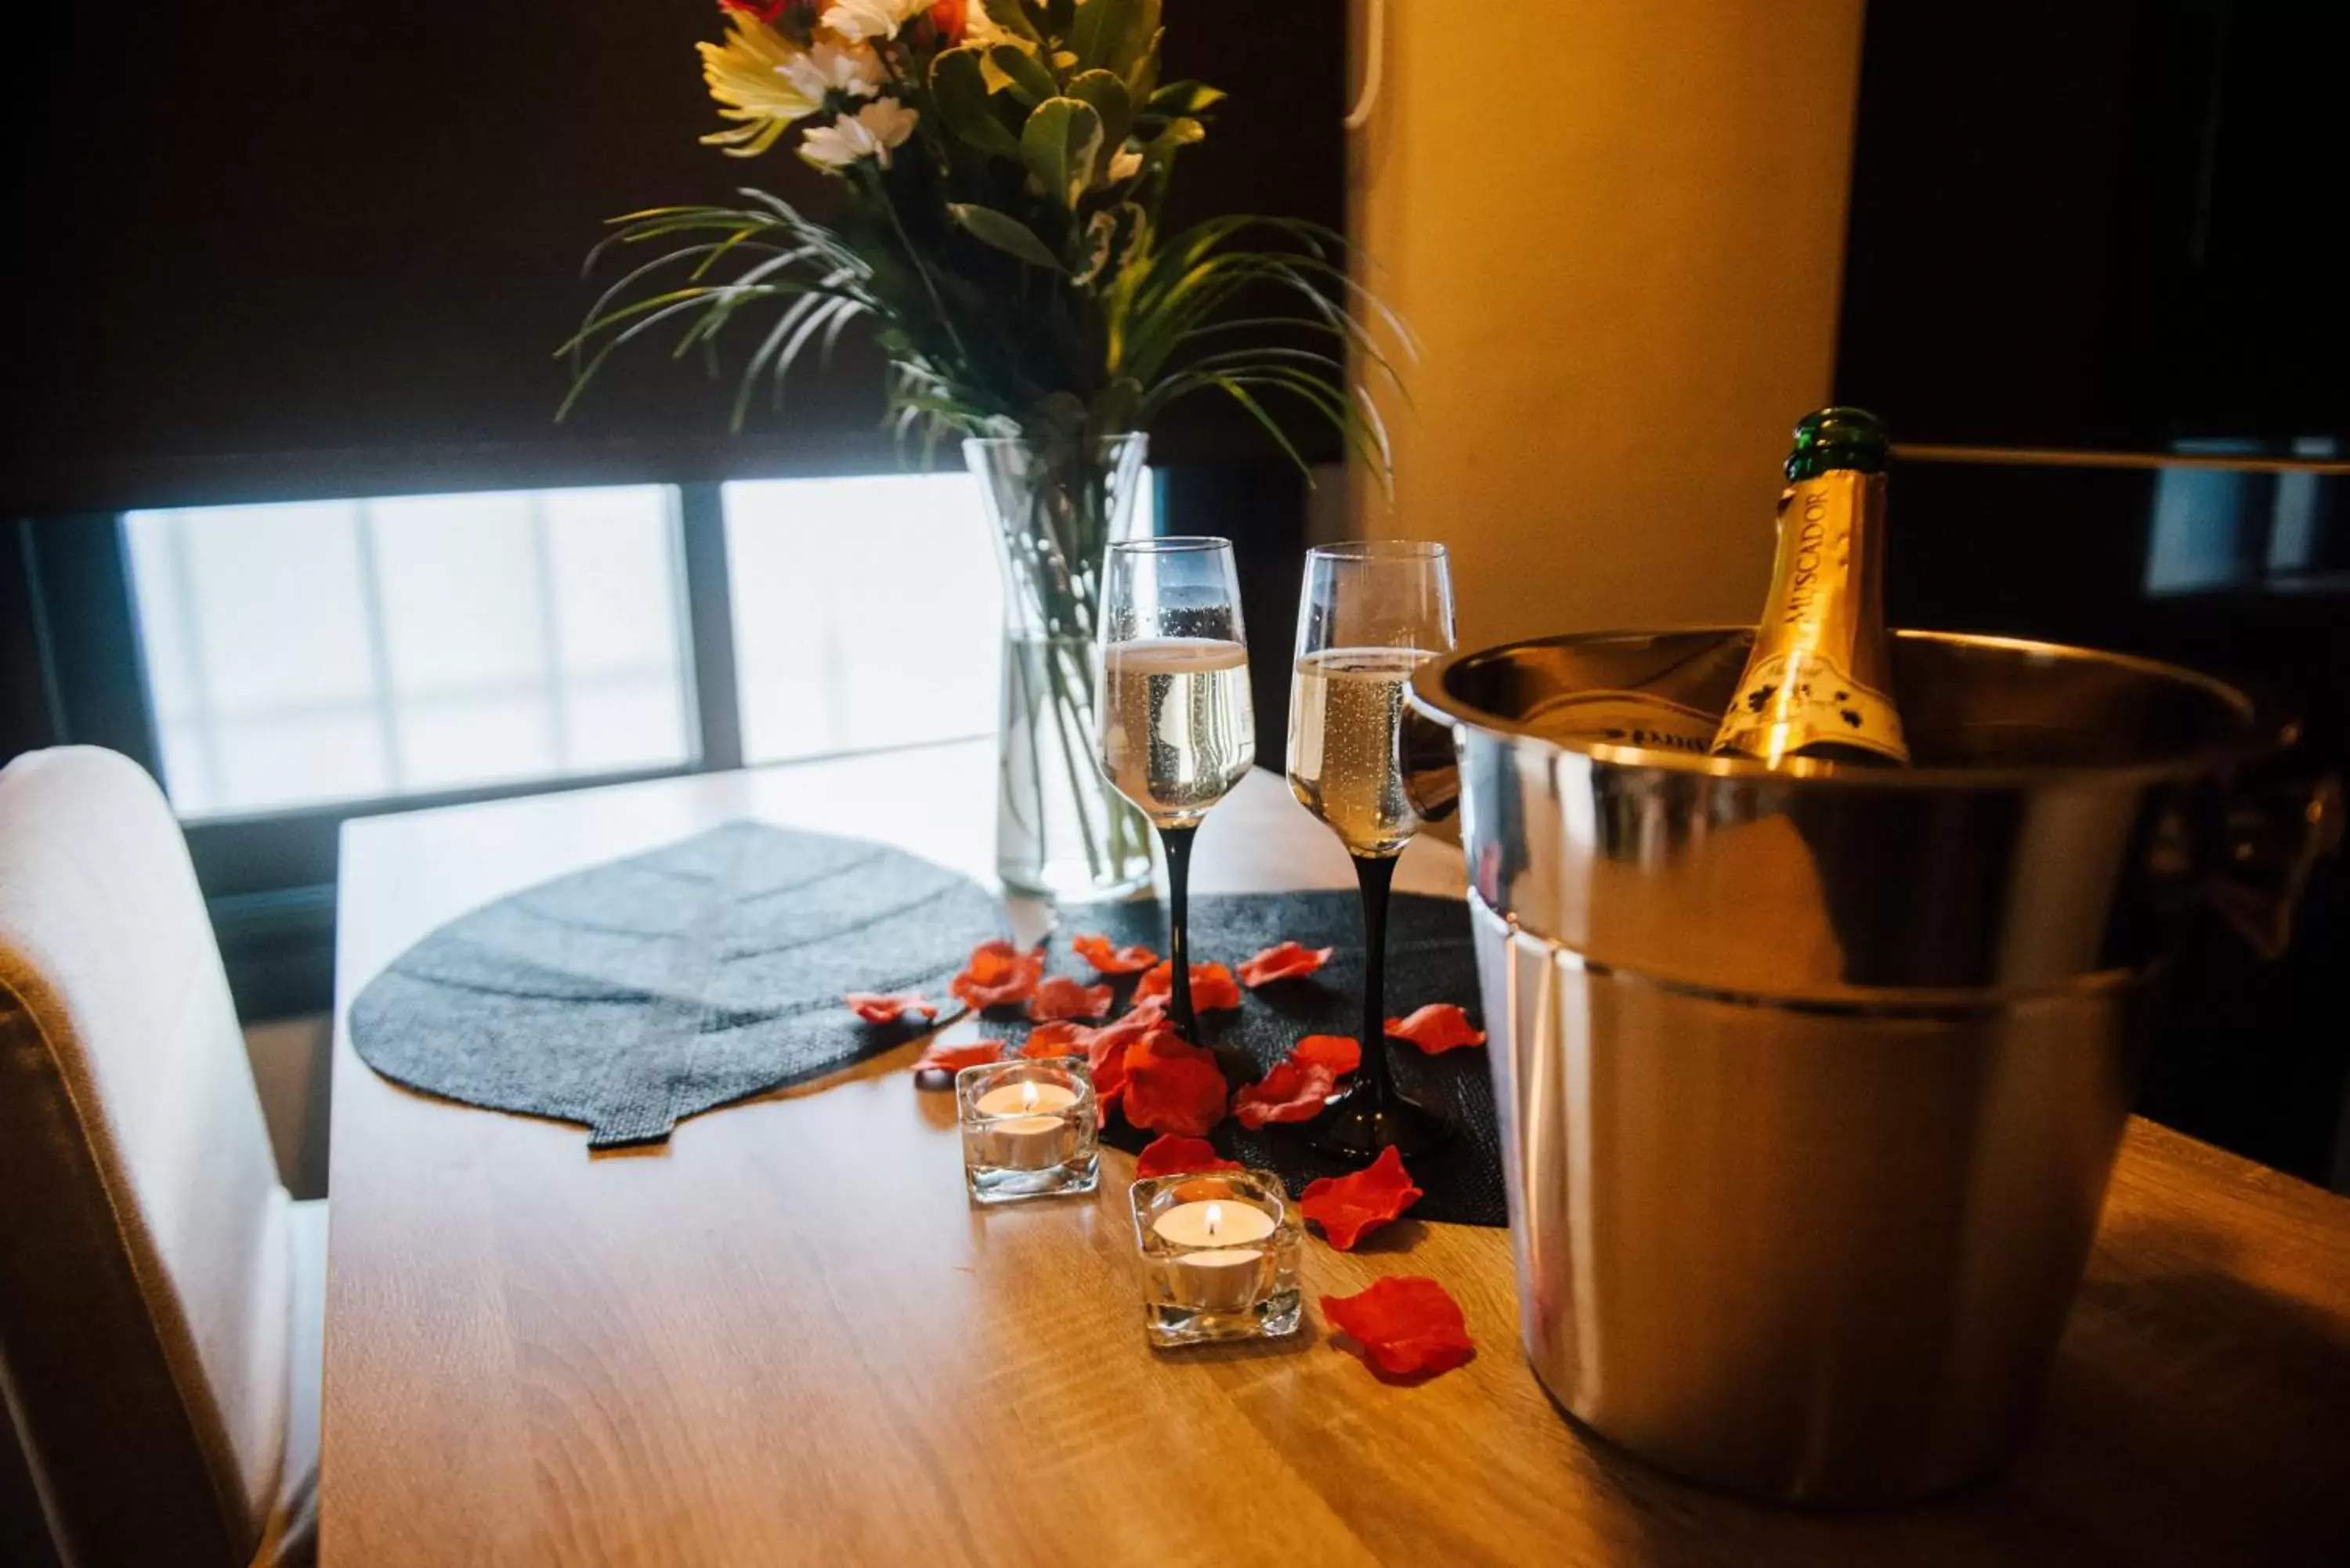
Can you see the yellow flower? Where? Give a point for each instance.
(750, 74)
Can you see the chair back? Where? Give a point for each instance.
(144, 1279)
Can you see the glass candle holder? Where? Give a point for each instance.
(1219, 1257)
(1030, 1128)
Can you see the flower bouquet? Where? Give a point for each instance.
(1006, 164)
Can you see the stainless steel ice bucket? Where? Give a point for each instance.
(1810, 1083)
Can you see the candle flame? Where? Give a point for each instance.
(1028, 1096)
(1215, 1218)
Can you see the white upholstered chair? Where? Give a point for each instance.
(160, 1295)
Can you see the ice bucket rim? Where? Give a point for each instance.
(1430, 693)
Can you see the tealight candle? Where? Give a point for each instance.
(1224, 1277)
(1219, 1257)
(1028, 1129)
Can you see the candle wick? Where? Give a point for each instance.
(1215, 1218)
(1028, 1096)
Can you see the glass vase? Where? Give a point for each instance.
(1061, 832)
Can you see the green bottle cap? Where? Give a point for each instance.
(1837, 437)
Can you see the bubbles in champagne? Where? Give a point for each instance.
(1345, 709)
(1178, 729)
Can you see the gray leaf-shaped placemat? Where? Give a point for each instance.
(1429, 959)
(633, 994)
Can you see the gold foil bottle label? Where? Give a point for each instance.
(1790, 702)
(1816, 684)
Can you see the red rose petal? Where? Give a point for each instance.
(1436, 1028)
(1348, 1207)
(878, 1007)
(1058, 1039)
(1171, 1086)
(950, 1059)
(1292, 1091)
(1106, 1052)
(1405, 1324)
(1339, 1055)
(1174, 1156)
(1283, 961)
(1061, 997)
(1212, 986)
(998, 975)
(1107, 960)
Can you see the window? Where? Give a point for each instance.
(283, 666)
(342, 650)
(867, 611)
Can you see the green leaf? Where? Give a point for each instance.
(1108, 95)
(1005, 232)
(959, 84)
(1178, 133)
(1142, 33)
(1142, 77)
(1100, 34)
(1016, 18)
(1184, 97)
(1059, 145)
(1032, 84)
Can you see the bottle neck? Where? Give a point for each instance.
(1819, 681)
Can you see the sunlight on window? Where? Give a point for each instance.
(347, 649)
(867, 612)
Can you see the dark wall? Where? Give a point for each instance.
(2110, 227)
(273, 249)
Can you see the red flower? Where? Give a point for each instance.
(1058, 1038)
(943, 1058)
(1284, 961)
(1292, 1091)
(1106, 1049)
(1212, 986)
(951, 18)
(1172, 1088)
(764, 10)
(1173, 1155)
(1337, 1053)
(1061, 997)
(1436, 1028)
(876, 1008)
(1405, 1324)
(1097, 951)
(1347, 1207)
(998, 975)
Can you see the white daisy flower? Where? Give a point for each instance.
(871, 132)
(859, 20)
(829, 68)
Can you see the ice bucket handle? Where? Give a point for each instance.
(2278, 829)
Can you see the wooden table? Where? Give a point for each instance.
(786, 1338)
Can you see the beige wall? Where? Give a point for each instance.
(1619, 236)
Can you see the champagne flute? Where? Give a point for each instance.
(1369, 615)
(1176, 729)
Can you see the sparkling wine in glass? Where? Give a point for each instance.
(1369, 615)
(1177, 729)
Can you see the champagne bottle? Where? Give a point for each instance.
(1819, 681)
